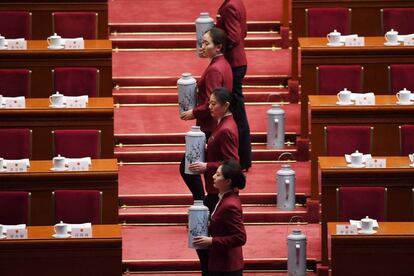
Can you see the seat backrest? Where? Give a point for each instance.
(77, 143)
(321, 21)
(15, 82)
(400, 77)
(77, 206)
(333, 78)
(76, 24)
(359, 202)
(16, 24)
(73, 81)
(340, 140)
(399, 19)
(14, 207)
(15, 143)
(407, 139)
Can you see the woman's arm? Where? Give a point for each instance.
(233, 220)
(213, 79)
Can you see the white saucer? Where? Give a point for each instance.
(56, 48)
(2, 236)
(3, 48)
(57, 106)
(335, 44)
(61, 236)
(342, 103)
(356, 166)
(412, 165)
(55, 170)
(369, 232)
(406, 103)
(3, 170)
(391, 43)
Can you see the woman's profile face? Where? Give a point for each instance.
(208, 48)
(220, 182)
(217, 110)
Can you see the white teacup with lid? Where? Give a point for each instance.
(2, 42)
(411, 157)
(61, 229)
(334, 38)
(367, 224)
(54, 41)
(344, 96)
(391, 37)
(59, 163)
(356, 158)
(404, 96)
(56, 100)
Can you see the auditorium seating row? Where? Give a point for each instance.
(69, 206)
(69, 81)
(18, 24)
(17, 143)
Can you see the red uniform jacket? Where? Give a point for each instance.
(223, 144)
(231, 17)
(217, 74)
(229, 235)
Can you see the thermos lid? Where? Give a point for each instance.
(286, 166)
(296, 232)
(196, 131)
(186, 75)
(204, 14)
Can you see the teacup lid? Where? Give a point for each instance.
(59, 157)
(392, 32)
(366, 218)
(356, 153)
(1, 36)
(55, 35)
(345, 91)
(60, 223)
(57, 94)
(335, 32)
(405, 90)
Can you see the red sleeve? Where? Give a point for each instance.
(213, 80)
(233, 219)
(231, 23)
(228, 148)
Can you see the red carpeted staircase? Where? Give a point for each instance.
(153, 44)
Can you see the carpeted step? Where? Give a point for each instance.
(158, 248)
(186, 40)
(179, 214)
(180, 15)
(161, 184)
(153, 124)
(150, 67)
(160, 95)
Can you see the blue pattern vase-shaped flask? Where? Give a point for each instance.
(203, 24)
(187, 92)
(195, 144)
(197, 222)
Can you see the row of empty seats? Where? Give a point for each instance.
(330, 79)
(18, 24)
(17, 143)
(70, 81)
(70, 206)
(321, 21)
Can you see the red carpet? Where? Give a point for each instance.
(277, 273)
(148, 248)
(165, 67)
(147, 185)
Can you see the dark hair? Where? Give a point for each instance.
(230, 169)
(219, 37)
(223, 96)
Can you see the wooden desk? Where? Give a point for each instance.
(397, 177)
(39, 59)
(41, 182)
(385, 117)
(41, 254)
(42, 13)
(42, 119)
(374, 57)
(388, 252)
(363, 12)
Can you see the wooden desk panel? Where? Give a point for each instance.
(41, 182)
(39, 59)
(41, 254)
(365, 18)
(42, 13)
(385, 117)
(42, 119)
(389, 252)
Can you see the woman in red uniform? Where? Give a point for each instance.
(217, 74)
(227, 231)
(231, 17)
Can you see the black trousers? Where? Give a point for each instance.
(239, 115)
(229, 273)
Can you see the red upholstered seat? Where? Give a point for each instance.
(340, 140)
(77, 143)
(78, 206)
(76, 24)
(16, 24)
(73, 81)
(399, 19)
(407, 139)
(359, 202)
(15, 82)
(15, 143)
(400, 77)
(14, 207)
(333, 78)
(321, 21)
